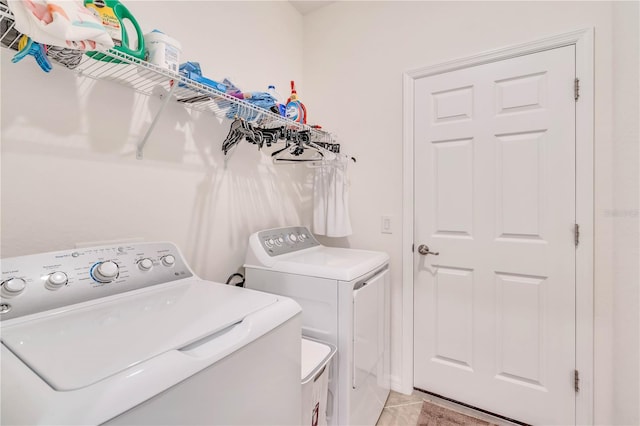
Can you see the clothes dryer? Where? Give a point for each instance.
(344, 295)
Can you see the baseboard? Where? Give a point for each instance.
(397, 386)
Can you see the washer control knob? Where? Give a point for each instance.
(293, 237)
(303, 236)
(14, 286)
(145, 264)
(168, 260)
(268, 244)
(56, 280)
(106, 272)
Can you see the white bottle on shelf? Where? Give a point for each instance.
(272, 91)
(281, 109)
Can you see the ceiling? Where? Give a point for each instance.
(307, 6)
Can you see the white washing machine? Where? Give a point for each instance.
(129, 335)
(344, 294)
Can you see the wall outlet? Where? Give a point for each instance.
(386, 225)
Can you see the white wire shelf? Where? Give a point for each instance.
(146, 78)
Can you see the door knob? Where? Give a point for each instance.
(423, 249)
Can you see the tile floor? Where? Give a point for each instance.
(403, 410)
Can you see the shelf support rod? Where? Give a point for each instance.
(165, 101)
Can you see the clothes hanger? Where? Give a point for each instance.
(297, 143)
(240, 128)
(293, 153)
(334, 148)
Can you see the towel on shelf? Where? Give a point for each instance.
(70, 58)
(63, 23)
(331, 199)
(260, 99)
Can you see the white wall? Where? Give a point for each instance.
(69, 172)
(625, 215)
(354, 58)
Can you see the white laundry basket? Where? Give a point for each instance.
(316, 360)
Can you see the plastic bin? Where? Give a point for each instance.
(316, 358)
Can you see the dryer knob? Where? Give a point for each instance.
(168, 260)
(106, 272)
(14, 286)
(145, 264)
(293, 237)
(56, 280)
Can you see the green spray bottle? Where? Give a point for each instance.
(112, 14)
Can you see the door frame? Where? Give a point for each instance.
(583, 41)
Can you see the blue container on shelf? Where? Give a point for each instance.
(192, 71)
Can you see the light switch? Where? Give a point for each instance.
(386, 225)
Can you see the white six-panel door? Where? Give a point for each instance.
(494, 312)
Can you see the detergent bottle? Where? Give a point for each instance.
(296, 110)
(113, 14)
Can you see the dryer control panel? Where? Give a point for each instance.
(40, 282)
(279, 241)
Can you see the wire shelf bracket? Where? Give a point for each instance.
(143, 142)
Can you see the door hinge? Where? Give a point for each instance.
(413, 248)
(576, 89)
(576, 380)
(576, 234)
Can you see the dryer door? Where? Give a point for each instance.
(370, 375)
(368, 329)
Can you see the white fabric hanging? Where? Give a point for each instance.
(331, 199)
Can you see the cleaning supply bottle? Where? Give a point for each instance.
(112, 13)
(296, 110)
(279, 108)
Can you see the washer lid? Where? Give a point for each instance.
(78, 347)
(331, 262)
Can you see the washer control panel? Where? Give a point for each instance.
(40, 282)
(286, 240)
